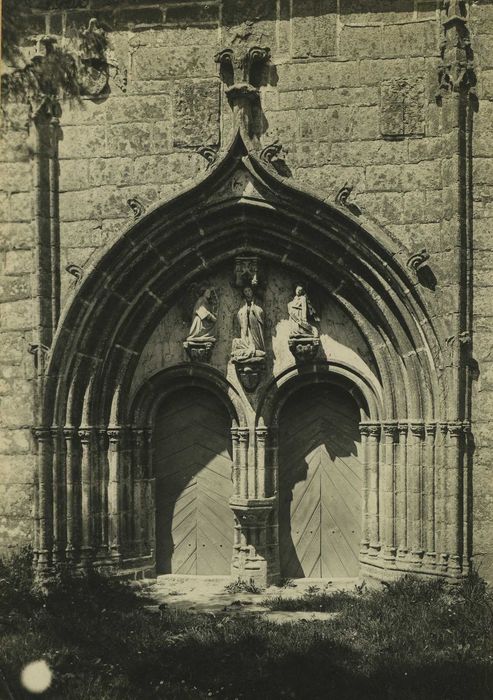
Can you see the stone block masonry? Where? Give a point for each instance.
(350, 93)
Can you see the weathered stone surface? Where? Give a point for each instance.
(132, 109)
(161, 63)
(196, 114)
(402, 107)
(314, 28)
(18, 262)
(14, 441)
(361, 42)
(16, 315)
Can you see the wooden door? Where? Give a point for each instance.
(194, 523)
(319, 485)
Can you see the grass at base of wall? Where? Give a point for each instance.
(412, 640)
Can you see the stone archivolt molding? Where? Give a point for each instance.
(113, 312)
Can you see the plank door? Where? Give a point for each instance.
(320, 480)
(194, 523)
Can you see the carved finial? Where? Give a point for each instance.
(417, 260)
(240, 71)
(94, 72)
(343, 194)
(456, 70)
(136, 206)
(342, 198)
(76, 271)
(209, 153)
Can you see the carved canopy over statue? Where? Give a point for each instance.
(250, 322)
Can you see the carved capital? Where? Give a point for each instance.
(114, 434)
(261, 434)
(364, 429)
(417, 429)
(139, 438)
(455, 429)
(402, 428)
(69, 432)
(374, 430)
(430, 429)
(389, 429)
(243, 435)
(85, 434)
(442, 426)
(42, 433)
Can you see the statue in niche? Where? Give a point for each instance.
(304, 335)
(250, 320)
(302, 316)
(201, 337)
(248, 351)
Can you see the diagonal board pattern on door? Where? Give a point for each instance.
(320, 485)
(194, 523)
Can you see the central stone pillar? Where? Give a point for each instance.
(254, 557)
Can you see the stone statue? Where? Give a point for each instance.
(250, 320)
(302, 316)
(204, 317)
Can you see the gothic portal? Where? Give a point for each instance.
(229, 403)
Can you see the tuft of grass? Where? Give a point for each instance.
(239, 586)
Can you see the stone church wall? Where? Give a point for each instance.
(482, 402)
(350, 94)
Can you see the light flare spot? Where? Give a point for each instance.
(36, 676)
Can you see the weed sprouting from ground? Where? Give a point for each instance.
(412, 640)
(239, 586)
